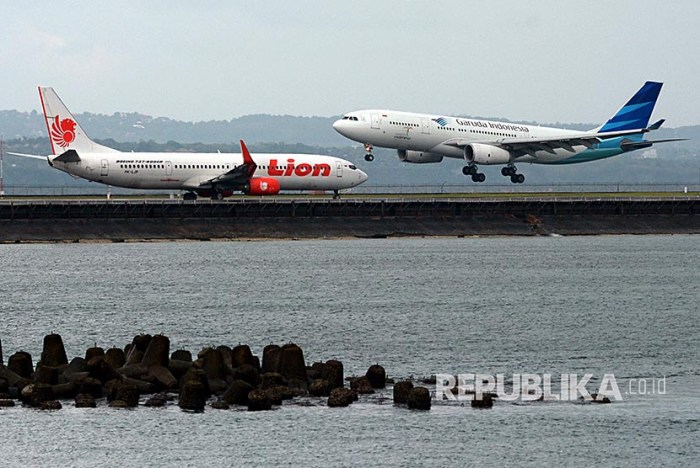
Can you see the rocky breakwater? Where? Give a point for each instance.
(146, 373)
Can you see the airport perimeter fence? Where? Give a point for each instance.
(101, 190)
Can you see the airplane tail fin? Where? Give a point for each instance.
(64, 131)
(636, 113)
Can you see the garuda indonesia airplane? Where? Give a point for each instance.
(425, 138)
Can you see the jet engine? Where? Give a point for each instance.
(418, 157)
(262, 186)
(480, 153)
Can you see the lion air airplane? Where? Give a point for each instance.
(424, 138)
(215, 175)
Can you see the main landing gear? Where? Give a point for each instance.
(368, 152)
(189, 196)
(473, 171)
(511, 171)
(336, 195)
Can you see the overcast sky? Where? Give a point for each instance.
(547, 61)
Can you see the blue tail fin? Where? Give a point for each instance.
(636, 113)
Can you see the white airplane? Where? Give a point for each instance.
(425, 138)
(215, 175)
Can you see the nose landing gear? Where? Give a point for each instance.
(511, 171)
(368, 152)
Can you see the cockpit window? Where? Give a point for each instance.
(352, 166)
(350, 117)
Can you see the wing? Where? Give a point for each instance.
(549, 144)
(237, 177)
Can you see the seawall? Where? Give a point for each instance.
(59, 220)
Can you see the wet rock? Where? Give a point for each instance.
(179, 368)
(135, 371)
(292, 365)
(45, 374)
(401, 392)
(157, 352)
(64, 391)
(4, 385)
(376, 376)
(164, 377)
(431, 380)
(227, 355)
(271, 379)
(361, 385)
(198, 375)
(600, 398)
(54, 353)
(258, 400)
(40, 393)
(333, 373)
(277, 394)
(212, 362)
(272, 354)
(242, 355)
(21, 364)
(90, 386)
(5, 403)
(128, 393)
(10, 376)
(22, 390)
(77, 365)
(220, 404)
(2, 360)
(118, 404)
(486, 401)
(193, 396)
(143, 386)
(5, 396)
(248, 373)
(320, 387)
(85, 400)
(237, 393)
(94, 351)
(181, 355)
(315, 371)
(101, 370)
(50, 405)
(419, 398)
(340, 397)
(156, 401)
(138, 347)
(115, 357)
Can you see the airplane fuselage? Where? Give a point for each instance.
(432, 134)
(188, 171)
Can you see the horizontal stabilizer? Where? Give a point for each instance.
(628, 145)
(656, 125)
(33, 156)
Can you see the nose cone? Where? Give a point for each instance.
(362, 176)
(341, 126)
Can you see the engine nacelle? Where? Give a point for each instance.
(480, 153)
(418, 157)
(262, 186)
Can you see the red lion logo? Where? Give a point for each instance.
(63, 131)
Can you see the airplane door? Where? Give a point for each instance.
(168, 168)
(339, 169)
(375, 120)
(104, 168)
(425, 126)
